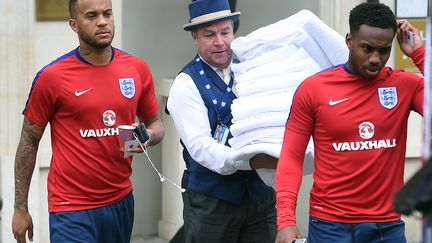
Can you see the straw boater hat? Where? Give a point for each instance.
(203, 12)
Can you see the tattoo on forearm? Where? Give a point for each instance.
(25, 160)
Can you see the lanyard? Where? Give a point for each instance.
(218, 107)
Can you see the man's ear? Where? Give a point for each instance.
(73, 25)
(194, 35)
(348, 40)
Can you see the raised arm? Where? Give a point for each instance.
(404, 28)
(416, 50)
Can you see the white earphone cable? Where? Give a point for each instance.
(162, 178)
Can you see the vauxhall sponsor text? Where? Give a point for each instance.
(365, 145)
(96, 133)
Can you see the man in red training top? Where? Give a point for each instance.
(357, 114)
(84, 95)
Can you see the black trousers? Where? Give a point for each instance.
(211, 220)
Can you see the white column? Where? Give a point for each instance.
(335, 13)
(117, 6)
(28, 46)
(16, 56)
(172, 167)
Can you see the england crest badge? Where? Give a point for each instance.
(388, 97)
(127, 87)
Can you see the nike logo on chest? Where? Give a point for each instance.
(335, 102)
(79, 93)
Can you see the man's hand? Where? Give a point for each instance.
(21, 223)
(403, 33)
(288, 234)
(155, 131)
(138, 149)
(263, 161)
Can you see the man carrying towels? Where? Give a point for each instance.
(225, 200)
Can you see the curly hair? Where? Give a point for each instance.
(373, 14)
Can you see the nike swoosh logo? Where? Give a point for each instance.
(331, 102)
(82, 92)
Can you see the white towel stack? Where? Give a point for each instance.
(275, 59)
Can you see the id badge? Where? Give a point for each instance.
(221, 133)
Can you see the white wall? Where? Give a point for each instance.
(154, 29)
(256, 13)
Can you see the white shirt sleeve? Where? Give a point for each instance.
(190, 116)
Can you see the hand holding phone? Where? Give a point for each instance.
(410, 38)
(141, 133)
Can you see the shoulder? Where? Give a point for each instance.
(320, 82)
(339, 69)
(184, 85)
(182, 90)
(183, 80)
(125, 57)
(62, 61)
(189, 65)
(405, 77)
(57, 66)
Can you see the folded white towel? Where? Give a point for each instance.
(283, 66)
(262, 115)
(272, 135)
(282, 32)
(254, 115)
(273, 55)
(272, 119)
(250, 105)
(285, 83)
(331, 42)
(275, 60)
(263, 40)
(303, 40)
(249, 151)
(243, 139)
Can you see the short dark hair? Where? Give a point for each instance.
(373, 14)
(72, 7)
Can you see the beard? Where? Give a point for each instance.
(93, 42)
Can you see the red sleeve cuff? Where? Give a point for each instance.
(418, 58)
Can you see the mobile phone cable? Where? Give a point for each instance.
(162, 178)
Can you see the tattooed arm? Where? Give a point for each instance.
(25, 161)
